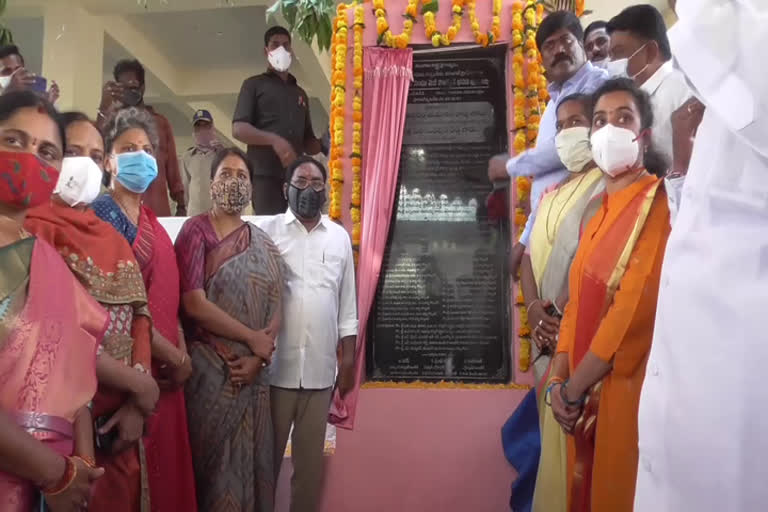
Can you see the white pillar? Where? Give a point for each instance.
(73, 55)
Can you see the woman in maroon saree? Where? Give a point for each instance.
(232, 282)
(130, 141)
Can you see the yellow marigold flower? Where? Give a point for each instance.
(381, 25)
(356, 137)
(357, 61)
(408, 24)
(340, 9)
(357, 116)
(401, 41)
(482, 39)
(451, 33)
(436, 40)
(411, 10)
(354, 214)
(358, 83)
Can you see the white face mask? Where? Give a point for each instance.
(79, 180)
(618, 68)
(5, 81)
(615, 150)
(573, 148)
(280, 59)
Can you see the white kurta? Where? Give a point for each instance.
(703, 419)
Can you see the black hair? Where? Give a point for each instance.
(584, 99)
(129, 66)
(12, 101)
(301, 161)
(595, 25)
(275, 31)
(654, 161)
(644, 21)
(10, 49)
(556, 21)
(68, 118)
(231, 151)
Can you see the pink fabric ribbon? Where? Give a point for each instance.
(386, 81)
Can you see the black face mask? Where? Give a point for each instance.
(305, 203)
(132, 97)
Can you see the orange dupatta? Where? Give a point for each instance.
(605, 256)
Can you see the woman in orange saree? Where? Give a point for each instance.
(50, 329)
(607, 326)
(104, 264)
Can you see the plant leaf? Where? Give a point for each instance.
(432, 6)
(273, 9)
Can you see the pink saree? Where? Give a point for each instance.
(48, 340)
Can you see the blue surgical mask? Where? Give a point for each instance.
(136, 170)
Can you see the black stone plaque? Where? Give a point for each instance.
(441, 308)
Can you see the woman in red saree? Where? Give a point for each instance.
(131, 140)
(104, 264)
(232, 279)
(607, 326)
(50, 329)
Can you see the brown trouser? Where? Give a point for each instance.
(307, 411)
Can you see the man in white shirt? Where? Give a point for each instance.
(640, 49)
(319, 313)
(703, 416)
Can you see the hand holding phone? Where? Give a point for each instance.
(40, 85)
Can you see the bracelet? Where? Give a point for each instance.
(70, 472)
(564, 396)
(86, 459)
(100, 113)
(528, 308)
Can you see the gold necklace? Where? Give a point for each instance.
(552, 205)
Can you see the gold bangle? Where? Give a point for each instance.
(528, 308)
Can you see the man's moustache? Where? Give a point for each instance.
(561, 58)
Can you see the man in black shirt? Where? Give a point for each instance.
(272, 117)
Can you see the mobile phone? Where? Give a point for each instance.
(40, 84)
(103, 442)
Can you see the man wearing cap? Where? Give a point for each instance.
(196, 163)
(272, 117)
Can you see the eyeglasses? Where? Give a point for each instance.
(302, 183)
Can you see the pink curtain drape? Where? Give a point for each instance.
(386, 80)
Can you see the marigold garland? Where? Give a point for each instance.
(357, 128)
(429, 9)
(338, 101)
(386, 37)
(492, 35)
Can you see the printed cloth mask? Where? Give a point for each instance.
(231, 194)
(573, 148)
(136, 170)
(618, 68)
(615, 150)
(305, 203)
(280, 59)
(79, 181)
(25, 180)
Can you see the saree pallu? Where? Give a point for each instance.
(231, 428)
(613, 290)
(48, 344)
(162, 465)
(554, 239)
(168, 454)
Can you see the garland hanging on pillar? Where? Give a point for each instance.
(357, 127)
(338, 101)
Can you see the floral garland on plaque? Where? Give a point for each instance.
(338, 101)
(529, 98)
(386, 37)
(428, 10)
(357, 127)
(484, 38)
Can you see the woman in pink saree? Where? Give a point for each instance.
(131, 139)
(50, 329)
